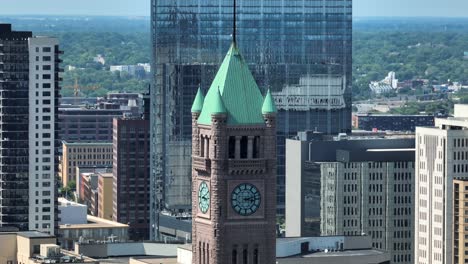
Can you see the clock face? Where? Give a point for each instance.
(245, 199)
(203, 197)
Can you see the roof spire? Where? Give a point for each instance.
(234, 29)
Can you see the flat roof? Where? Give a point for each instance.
(155, 260)
(394, 115)
(34, 234)
(94, 223)
(64, 202)
(346, 253)
(391, 150)
(87, 143)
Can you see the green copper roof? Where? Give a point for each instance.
(217, 105)
(269, 104)
(237, 90)
(198, 102)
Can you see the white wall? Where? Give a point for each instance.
(286, 247)
(42, 172)
(72, 214)
(293, 195)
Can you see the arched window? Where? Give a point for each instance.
(244, 256)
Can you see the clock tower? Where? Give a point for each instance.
(233, 169)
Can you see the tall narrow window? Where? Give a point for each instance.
(199, 253)
(234, 256)
(202, 146)
(208, 253)
(255, 256)
(232, 147)
(243, 147)
(256, 148)
(204, 253)
(244, 256)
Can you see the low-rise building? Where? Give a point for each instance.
(94, 230)
(32, 247)
(302, 250)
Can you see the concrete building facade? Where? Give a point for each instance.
(105, 195)
(87, 124)
(441, 159)
(460, 222)
(76, 154)
(352, 187)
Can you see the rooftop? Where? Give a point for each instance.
(349, 253)
(233, 92)
(34, 234)
(64, 202)
(94, 222)
(87, 143)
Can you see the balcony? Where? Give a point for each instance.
(201, 164)
(246, 166)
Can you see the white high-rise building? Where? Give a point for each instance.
(29, 88)
(441, 158)
(43, 82)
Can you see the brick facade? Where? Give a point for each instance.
(221, 235)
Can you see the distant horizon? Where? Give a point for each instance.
(148, 17)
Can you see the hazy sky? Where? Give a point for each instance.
(441, 8)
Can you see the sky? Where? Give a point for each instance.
(374, 8)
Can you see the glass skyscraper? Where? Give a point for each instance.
(300, 49)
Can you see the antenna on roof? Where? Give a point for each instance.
(234, 23)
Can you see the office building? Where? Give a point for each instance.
(289, 45)
(352, 186)
(77, 154)
(80, 124)
(441, 163)
(131, 189)
(380, 122)
(29, 84)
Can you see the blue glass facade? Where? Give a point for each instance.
(289, 45)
